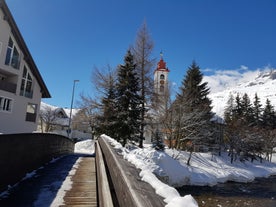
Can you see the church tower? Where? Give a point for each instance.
(161, 79)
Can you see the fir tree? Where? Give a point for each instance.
(269, 115)
(257, 110)
(194, 108)
(128, 103)
(229, 109)
(237, 113)
(247, 110)
(107, 118)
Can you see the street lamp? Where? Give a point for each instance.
(72, 100)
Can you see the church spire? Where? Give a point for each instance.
(161, 66)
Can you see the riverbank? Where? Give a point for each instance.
(205, 169)
(259, 193)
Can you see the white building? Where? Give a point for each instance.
(161, 91)
(161, 85)
(21, 85)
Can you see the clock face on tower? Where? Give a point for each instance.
(162, 82)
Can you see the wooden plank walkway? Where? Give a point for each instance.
(84, 188)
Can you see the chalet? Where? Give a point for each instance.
(21, 85)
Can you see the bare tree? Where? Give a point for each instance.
(98, 110)
(48, 116)
(142, 51)
(88, 113)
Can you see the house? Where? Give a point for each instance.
(52, 118)
(21, 85)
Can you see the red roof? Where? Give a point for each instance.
(162, 66)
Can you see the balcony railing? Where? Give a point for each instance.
(7, 86)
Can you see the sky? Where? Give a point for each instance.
(69, 38)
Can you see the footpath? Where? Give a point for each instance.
(67, 181)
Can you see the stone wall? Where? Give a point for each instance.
(23, 153)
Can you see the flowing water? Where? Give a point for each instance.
(259, 193)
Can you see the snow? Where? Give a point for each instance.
(225, 82)
(163, 172)
(85, 147)
(66, 186)
(166, 170)
(82, 147)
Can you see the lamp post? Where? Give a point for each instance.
(72, 100)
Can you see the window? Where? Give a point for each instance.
(162, 77)
(31, 112)
(26, 88)
(162, 88)
(12, 56)
(5, 104)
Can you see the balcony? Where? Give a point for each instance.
(7, 86)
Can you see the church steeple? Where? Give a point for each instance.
(162, 64)
(161, 77)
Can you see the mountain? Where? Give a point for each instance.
(262, 82)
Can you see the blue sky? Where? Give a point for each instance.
(68, 38)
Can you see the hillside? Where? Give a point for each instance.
(262, 82)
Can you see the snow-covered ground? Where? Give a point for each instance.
(168, 169)
(165, 171)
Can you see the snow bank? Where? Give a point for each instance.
(85, 147)
(144, 160)
(162, 171)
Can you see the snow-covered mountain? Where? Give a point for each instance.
(262, 82)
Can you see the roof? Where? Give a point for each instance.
(27, 55)
(161, 65)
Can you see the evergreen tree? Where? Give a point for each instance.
(128, 102)
(268, 115)
(106, 119)
(229, 109)
(238, 108)
(101, 110)
(257, 110)
(247, 110)
(194, 108)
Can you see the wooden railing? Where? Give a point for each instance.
(104, 193)
(124, 187)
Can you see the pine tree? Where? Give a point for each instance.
(194, 108)
(247, 110)
(229, 109)
(257, 110)
(128, 103)
(269, 115)
(101, 110)
(238, 108)
(106, 119)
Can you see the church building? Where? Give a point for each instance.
(161, 83)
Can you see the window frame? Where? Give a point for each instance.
(27, 82)
(31, 115)
(11, 59)
(6, 104)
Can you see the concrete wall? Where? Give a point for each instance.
(23, 153)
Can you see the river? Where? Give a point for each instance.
(259, 193)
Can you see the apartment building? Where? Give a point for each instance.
(21, 84)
